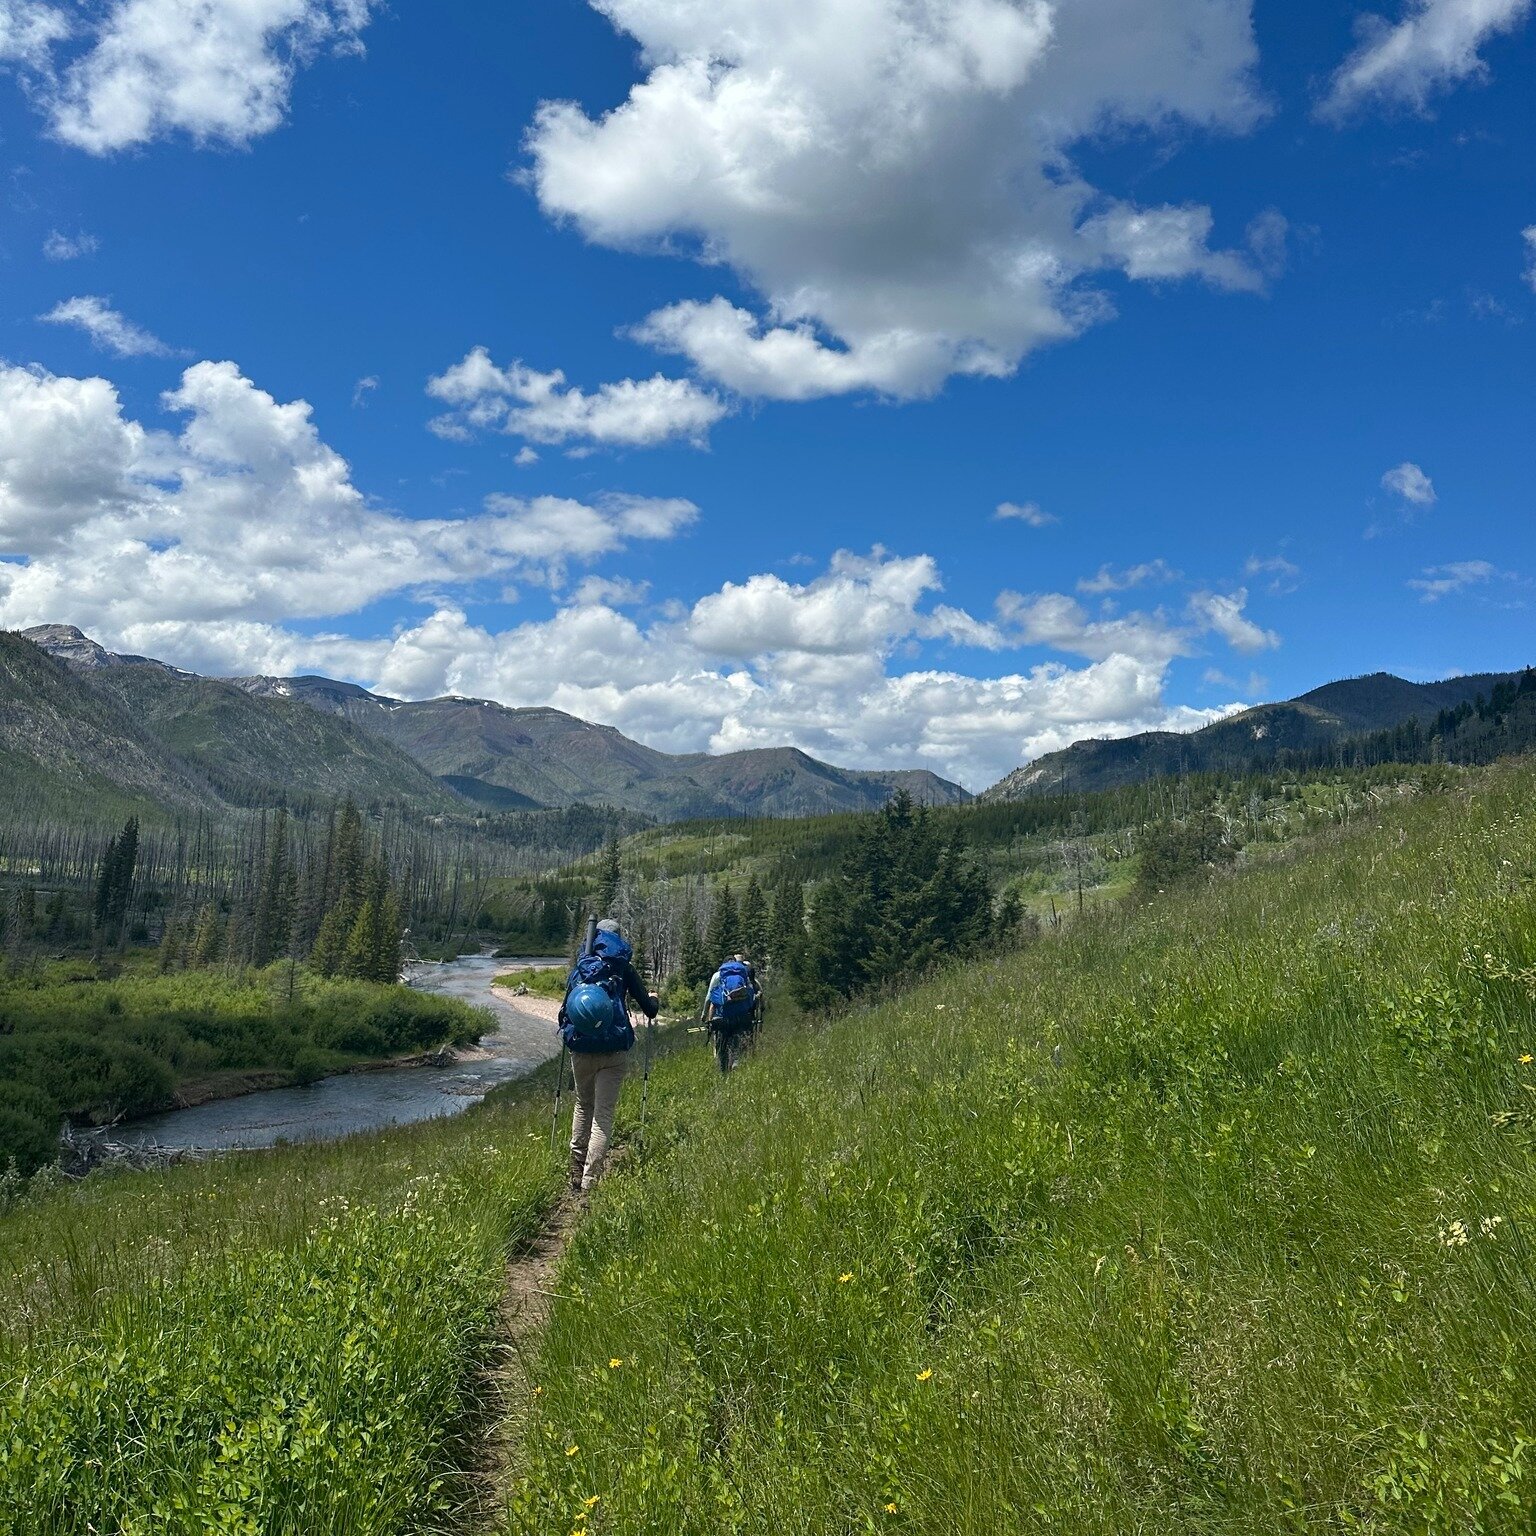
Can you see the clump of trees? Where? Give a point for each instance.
(906, 898)
(1174, 853)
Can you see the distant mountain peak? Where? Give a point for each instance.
(76, 649)
(1321, 720)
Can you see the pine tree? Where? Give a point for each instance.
(693, 964)
(787, 928)
(171, 946)
(273, 919)
(753, 922)
(903, 900)
(610, 877)
(114, 883)
(724, 936)
(330, 946)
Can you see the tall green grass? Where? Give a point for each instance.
(284, 1342)
(1213, 1217)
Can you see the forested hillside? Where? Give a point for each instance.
(1338, 725)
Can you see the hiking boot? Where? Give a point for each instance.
(577, 1171)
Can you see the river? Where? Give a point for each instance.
(524, 1038)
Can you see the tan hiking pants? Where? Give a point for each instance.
(598, 1078)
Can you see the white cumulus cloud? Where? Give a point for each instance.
(28, 30)
(107, 327)
(1437, 44)
(132, 71)
(542, 407)
(1411, 483)
(1030, 513)
(894, 178)
(233, 539)
(1222, 613)
(244, 514)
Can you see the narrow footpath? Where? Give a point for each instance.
(527, 1296)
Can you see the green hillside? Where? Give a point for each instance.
(88, 735)
(1210, 1213)
(261, 752)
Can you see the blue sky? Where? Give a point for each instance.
(1233, 306)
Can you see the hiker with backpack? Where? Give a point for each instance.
(733, 1009)
(594, 1024)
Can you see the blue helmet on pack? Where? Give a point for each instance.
(590, 1008)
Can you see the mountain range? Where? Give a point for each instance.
(80, 724)
(1332, 719)
(82, 727)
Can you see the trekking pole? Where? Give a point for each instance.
(645, 1086)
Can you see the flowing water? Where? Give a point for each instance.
(362, 1101)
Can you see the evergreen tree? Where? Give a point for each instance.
(372, 949)
(114, 883)
(753, 922)
(330, 946)
(724, 936)
(273, 920)
(172, 946)
(903, 900)
(21, 921)
(787, 928)
(609, 878)
(693, 964)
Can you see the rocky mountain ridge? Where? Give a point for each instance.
(255, 741)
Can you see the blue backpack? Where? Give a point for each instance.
(734, 996)
(593, 1017)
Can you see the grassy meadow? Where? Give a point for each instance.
(283, 1342)
(1210, 1214)
(1210, 1217)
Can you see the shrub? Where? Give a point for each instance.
(309, 1065)
(27, 1141)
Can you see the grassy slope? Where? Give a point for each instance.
(1191, 1279)
(1254, 1257)
(282, 1343)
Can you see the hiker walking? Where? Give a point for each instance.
(733, 1009)
(594, 1024)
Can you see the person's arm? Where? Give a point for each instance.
(649, 1005)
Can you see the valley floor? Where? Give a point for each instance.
(1211, 1215)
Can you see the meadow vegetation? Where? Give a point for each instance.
(274, 1343)
(1213, 1216)
(1207, 1212)
(78, 1040)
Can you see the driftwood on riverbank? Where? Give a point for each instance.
(83, 1151)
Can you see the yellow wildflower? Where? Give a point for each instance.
(1527, 1059)
(595, 1499)
(615, 1363)
(571, 1450)
(845, 1277)
(890, 1509)
(925, 1375)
